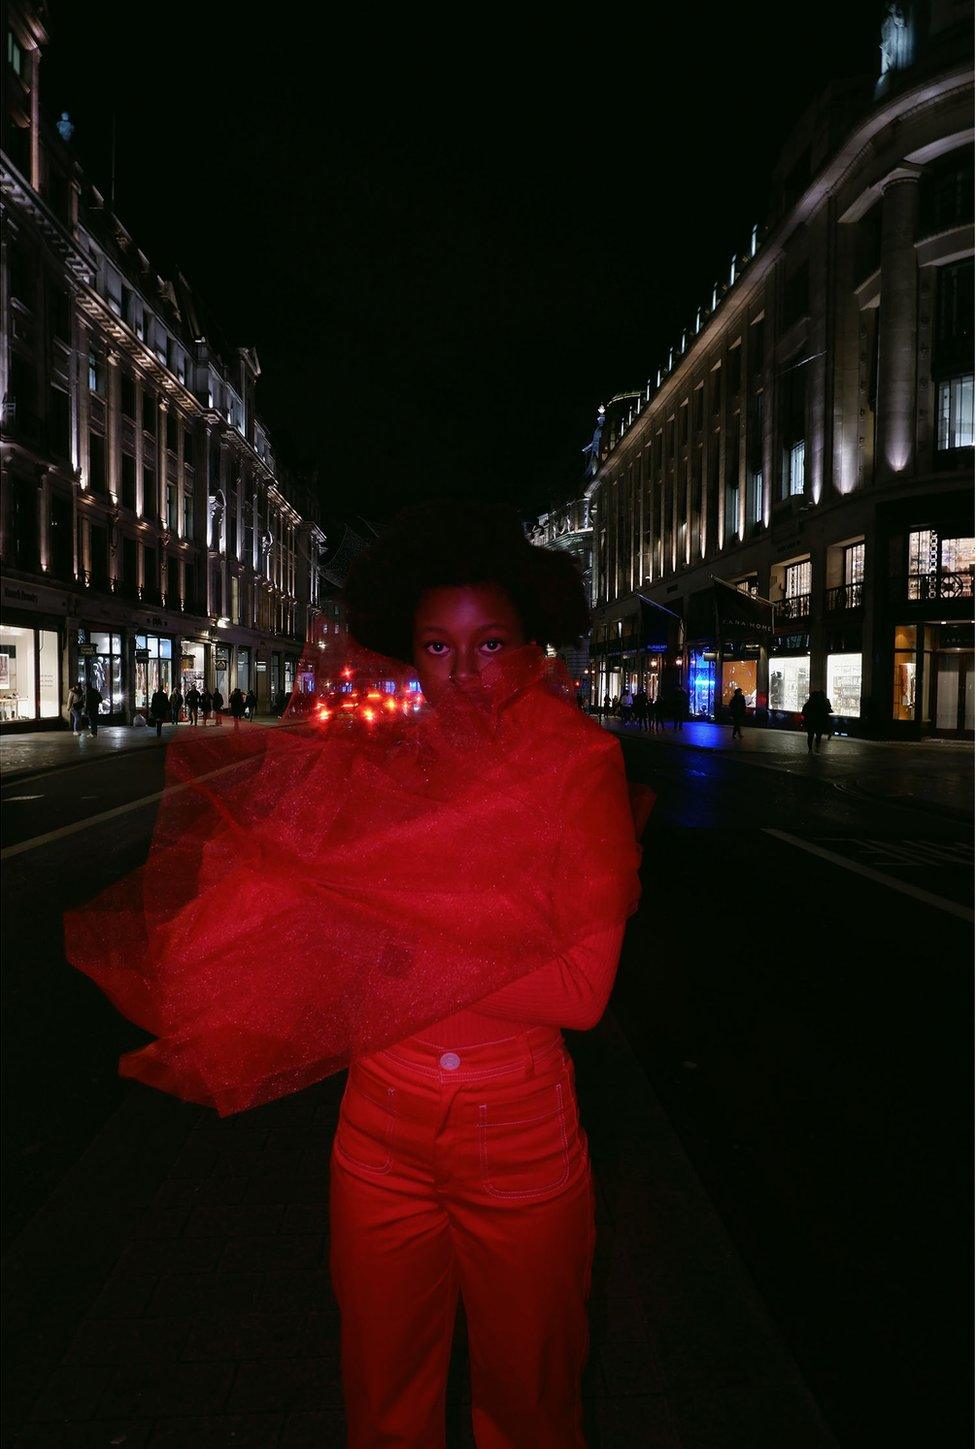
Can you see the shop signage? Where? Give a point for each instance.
(87, 651)
(956, 636)
(24, 595)
(261, 664)
(655, 648)
(709, 654)
(142, 656)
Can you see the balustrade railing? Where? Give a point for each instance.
(843, 597)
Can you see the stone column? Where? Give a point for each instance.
(898, 323)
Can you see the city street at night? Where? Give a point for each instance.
(782, 1206)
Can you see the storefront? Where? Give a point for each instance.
(789, 675)
(243, 668)
(740, 670)
(222, 670)
(102, 664)
(30, 667)
(193, 667)
(153, 660)
(701, 682)
(844, 684)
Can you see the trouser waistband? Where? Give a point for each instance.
(526, 1050)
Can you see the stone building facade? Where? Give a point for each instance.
(147, 534)
(810, 439)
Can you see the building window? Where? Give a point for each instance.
(789, 682)
(955, 413)
(957, 566)
(172, 508)
(130, 568)
(96, 373)
(756, 497)
(797, 468)
(187, 515)
(150, 575)
(155, 669)
(96, 462)
(172, 583)
(735, 369)
(903, 695)
(59, 303)
(15, 56)
(172, 432)
(844, 684)
(128, 481)
(127, 396)
(59, 422)
(149, 414)
(796, 295)
(797, 581)
(29, 674)
(854, 563)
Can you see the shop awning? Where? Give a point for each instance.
(739, 615)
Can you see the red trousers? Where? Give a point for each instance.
(463, 1171)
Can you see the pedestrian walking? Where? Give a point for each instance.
(206, 705)
(238, 704)
(193, 699)
(679, 706)
(737, 709)
(159, 709)
(607, 703)
(175, 705)
(640, 708)
(658, 711)
(93, 703)
(218, 707)
(76, 707)
(458, 1166)
(816, 718)
(251, 702)
(626, 706)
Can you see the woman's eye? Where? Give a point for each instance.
(435, 646)
(493, 645)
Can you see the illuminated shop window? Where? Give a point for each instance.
(789, 682)
(903, 700)
(844, 684)
(797, 468)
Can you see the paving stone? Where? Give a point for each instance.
(642, 1420)
(185, 1293)
(270, 1188)
(303, 1383)
(202, 1192)
(128, 1340)
(304, 1217)
(243, 1255)
(320, 1334)
(617, 1320)
(629, 1368)
(228, 1431)
(170, 1255)
(249, 1220)
(97, 1434)
(323, 1429)
(197, 1159)
(72, 1392)
(234, 1335)
(287, 1292)
(151, 1390)
(161, 1222)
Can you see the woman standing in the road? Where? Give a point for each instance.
(444, 898)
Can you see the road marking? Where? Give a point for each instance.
(38, 840)
(12, 799)
(941, 904)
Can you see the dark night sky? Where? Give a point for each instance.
(448, 243)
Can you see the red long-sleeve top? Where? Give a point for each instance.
(571, 991)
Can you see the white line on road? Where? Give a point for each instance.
(38, 840)
(12, 799)
(954, 908)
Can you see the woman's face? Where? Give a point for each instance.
(457, 632)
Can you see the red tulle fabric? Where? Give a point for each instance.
(322, 889)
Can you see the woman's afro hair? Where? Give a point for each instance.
(452, 543)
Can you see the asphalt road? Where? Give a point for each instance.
(796, 986)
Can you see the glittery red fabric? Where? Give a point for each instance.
(320, 890)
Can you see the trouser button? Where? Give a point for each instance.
(450, 1061)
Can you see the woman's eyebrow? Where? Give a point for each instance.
(444, 629)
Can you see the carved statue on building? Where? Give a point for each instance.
(66, 128)
(896, 40)
(592, 449)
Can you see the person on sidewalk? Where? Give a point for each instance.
(206, 706)
(93, 703)
(658, 712)
(237, 707)
(626, 707)
(737, 709)
(159, 709)
(193, 698)
(218, 707)
(816, 718)
(175, 705)
(640, 708)
(459, 1166)
(251, 701)
(679, 706)
(76, 707)
(607, 703)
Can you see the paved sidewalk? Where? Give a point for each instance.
(23, 756)
(174, 1293)
(929, 774)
